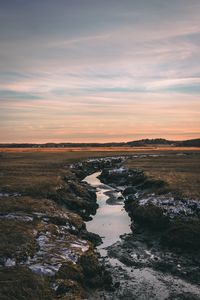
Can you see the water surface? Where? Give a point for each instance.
(111, 220)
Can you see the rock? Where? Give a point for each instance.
(129, 191)
(94, 238)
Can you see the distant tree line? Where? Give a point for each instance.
(139, 143)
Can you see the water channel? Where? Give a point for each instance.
(111, 220)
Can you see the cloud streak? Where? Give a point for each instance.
(94, 67)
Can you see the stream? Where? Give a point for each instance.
(111, 220)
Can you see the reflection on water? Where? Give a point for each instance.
(110, 221)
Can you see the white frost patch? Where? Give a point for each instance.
(44, 269)
(137, 195)
(118, 170)
(82, 247)
(66, 227)
(67, 254)
(55, 286)
(10, 194)
(134, 255)
(42, 240)
(172, 207)
(39, 215)
(54, 250)
(10, 262)
(152, 256)
(17, 217)
(143, 202)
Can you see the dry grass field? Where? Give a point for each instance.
(181, 172)
(38, 170)
(128, 149)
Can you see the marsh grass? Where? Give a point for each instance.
(38, 172)
(20, 283)
(181, 173)
(17, 240)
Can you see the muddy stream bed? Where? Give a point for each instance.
(127, 256)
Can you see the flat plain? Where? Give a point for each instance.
(31, 169)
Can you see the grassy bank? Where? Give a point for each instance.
(180, 172)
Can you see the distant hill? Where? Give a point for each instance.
(145, 142)
(160, 141)
(60, 145)
(190, 143)
(138, 143)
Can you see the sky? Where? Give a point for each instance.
(99, 71)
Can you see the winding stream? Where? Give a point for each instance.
(111, 220)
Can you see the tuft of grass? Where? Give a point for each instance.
(20, 283)
(17, 240)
